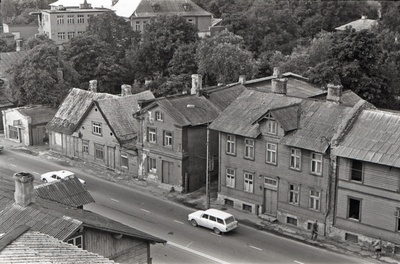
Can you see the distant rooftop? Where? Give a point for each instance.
(359, 24)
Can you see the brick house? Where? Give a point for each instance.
(368, 185)
(275, 154)
(99, 128)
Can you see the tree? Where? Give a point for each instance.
(34, 41)
(7, 46)
(36, 79)
(223, 58)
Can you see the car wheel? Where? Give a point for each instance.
(193, 222)
(217, 231)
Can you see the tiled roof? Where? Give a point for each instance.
(317, 124)
(36, 247)
(119, 114)
(144, 8)
(374, 137)
(297, 85)
(69, 191)
(73, 108)
(8, 59)
(76, 3)
(39, 114)
(359, 24)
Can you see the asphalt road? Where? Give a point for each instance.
(168, 220)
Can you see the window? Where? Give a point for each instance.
(159, 116)
(58, 139)
(247, 207)
(152, 165)
(271, 125)
(230, 144)
(77, 241)
(85, 147)
(213, 218)
(96, 128)
(315, 199)
(295, 159)
(152, 135)
(294, 194)
(230, 177)
(291, 220)
(270, 182)
(71, 35)
(124, 161)
(13, 132)
(167, 142)
(70, 19)
(354, 208)
(60, 20)
(81, 32)
(316, 163)
(249, 149)
(99, 151)
(356, 170)
(397, 214)
(61, 35)
(204, 216)
(81, 19)
(271, 153)
(137, 26)
(248, 182)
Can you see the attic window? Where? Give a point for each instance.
(77, 241)
(159, 116)
(271, 124)
(186, 6)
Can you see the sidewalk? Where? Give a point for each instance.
(196, 200)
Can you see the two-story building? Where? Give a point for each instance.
(99, 128)
(368, 184)
(140, 12)
(275, 154)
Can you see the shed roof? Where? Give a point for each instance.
(73, 108)
(35, 247)
(374, 137)
(39, 114)
(69, 191)
(144, 8)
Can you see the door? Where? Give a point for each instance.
(166, 171)
(111, 157)
(271, 201)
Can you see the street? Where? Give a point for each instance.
(141, 209)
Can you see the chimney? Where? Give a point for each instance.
(93, 86)
(197, 84)
(277, 72)
(279, 85)
(126, 89)
(24, 194)
(18, 44)
(60, 75)
(334, 92)
(242, 79)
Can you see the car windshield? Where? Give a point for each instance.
(229, 220)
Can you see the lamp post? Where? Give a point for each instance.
(207, 155)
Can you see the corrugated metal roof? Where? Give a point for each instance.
(144, 8)
(374, 137)
(39, 114)
(36, 247)
(119, 114)
(69, 191)
(73, 108)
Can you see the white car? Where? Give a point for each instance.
(58, 175)
(218, 221)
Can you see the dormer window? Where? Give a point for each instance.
(186, 6)
(156, 7)
(159, 116)
(271, 125)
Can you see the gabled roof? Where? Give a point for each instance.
(316, 125)
(77, 3)
(8, 59)
(39, 114)
(73, 108)
(359, 24)
(222, 96)
(176, 106)
(118, 112)
(69, 191)
(374, 137)
(144, 8)
(25, 246)
(297, 85)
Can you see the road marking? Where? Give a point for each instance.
(186, 245)
(179, 222)
(145, 210)
(114, 200)
(256, 248)
(198, 253)
(298, 262)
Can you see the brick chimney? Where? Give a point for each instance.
(197, 84)
(60, 75)
(334, 92)
(93, 86)
(126, 89)
(24, 194)
(277, 72)
(279, 85)
(242, 79)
